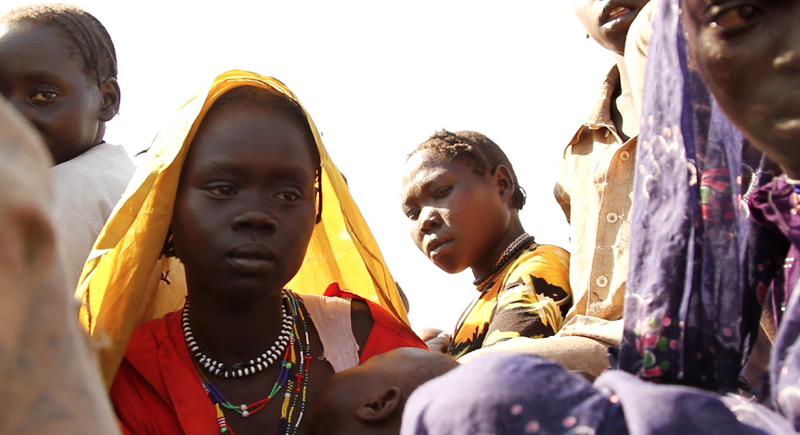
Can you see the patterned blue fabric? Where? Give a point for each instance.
(523, 394)
(501, 394)
(691, 309)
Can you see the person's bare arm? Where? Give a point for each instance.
(49, 379)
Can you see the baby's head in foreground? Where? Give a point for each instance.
(369, 398)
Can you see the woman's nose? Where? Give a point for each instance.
(429, 220)
(254, 220)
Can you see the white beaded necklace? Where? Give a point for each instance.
(241, 369)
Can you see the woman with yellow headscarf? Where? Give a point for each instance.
(235, 189)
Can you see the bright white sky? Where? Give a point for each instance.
(378, 78)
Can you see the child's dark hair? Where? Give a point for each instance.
(87, 33)
(477, 150)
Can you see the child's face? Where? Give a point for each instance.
(244, 210)
(748, 52)
(43, 76)
(607, 21)
(456, 217)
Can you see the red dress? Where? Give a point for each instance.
(158, 391)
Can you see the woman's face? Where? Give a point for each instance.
(608, 21)
(748, 52)
(455, 216)
(43, 76)
(244, 210)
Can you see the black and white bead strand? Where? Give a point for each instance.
(242, 369)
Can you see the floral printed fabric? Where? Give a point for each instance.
(691, 308)
(505, 394)
(777, 207)
(528, 298)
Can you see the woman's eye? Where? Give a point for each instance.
(222, 190)
(412, 215)
(734, 16)
(43, 96)
(288, 196)
(443, 192)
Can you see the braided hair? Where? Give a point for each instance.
(87, 33)
(477, 150)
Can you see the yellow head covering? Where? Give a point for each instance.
(126, 282)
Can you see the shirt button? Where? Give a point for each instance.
(601, 281)
(612, 218)
(624, 156)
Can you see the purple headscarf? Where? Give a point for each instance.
(691, 307)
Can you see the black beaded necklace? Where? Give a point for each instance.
(508, 254)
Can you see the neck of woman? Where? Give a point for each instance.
(491, 258)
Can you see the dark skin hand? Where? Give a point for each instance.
(436, 339)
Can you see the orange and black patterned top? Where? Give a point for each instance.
(527, 298)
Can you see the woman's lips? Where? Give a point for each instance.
(251, 259)
(436, 245)
(250, 264)
(618, 12)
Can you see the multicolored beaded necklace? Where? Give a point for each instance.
(508, 254)
(293, 374)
